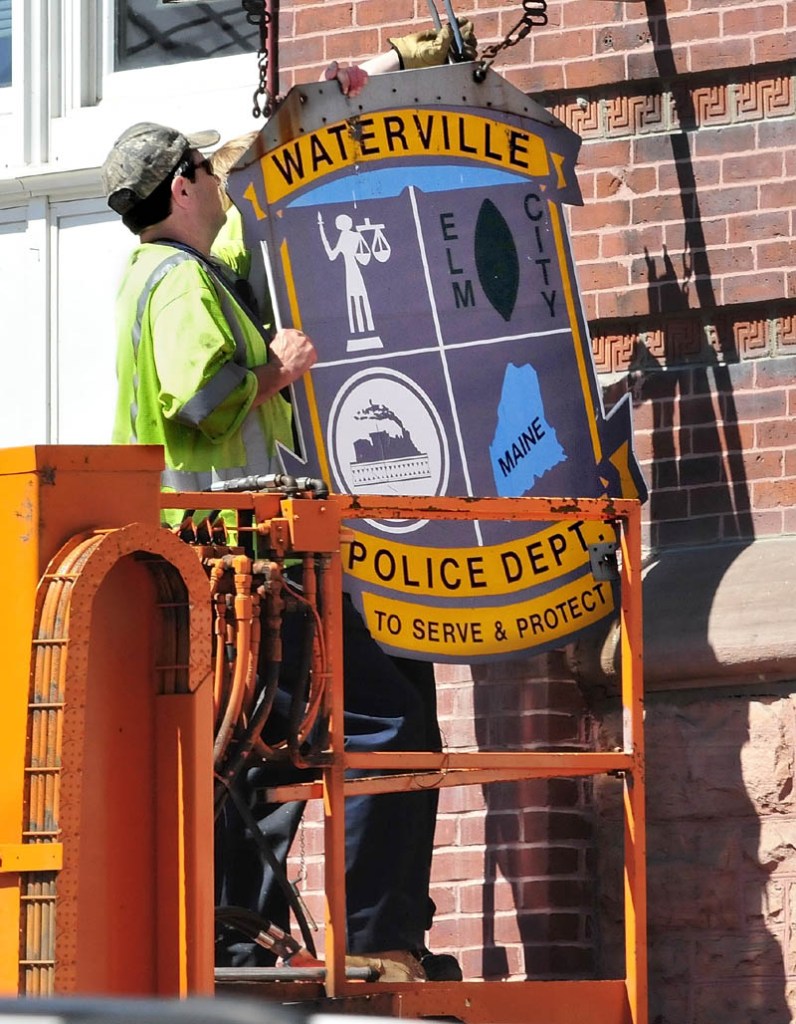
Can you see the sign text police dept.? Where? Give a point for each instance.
(417, 235)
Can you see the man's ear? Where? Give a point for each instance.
(179, 194)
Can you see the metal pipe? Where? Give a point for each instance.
(435, 18)
(454, 23)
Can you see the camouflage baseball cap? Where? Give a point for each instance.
(143, 157)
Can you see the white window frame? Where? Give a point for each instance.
(61, 213)
(34, 216)
(67, 104)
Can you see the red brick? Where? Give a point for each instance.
(787, 522)
(776, 434)
(582, 74)
(324, 18)
(779, 46)
(455, 799)
(670, 504)
(398, 15)
(642, 64)
(586, 247)
(722, 53)
(752, 287)
(735, 139)
(457, 865)
(773, 493)
(652, 209)
(748, 227)
(301, 51)
(451, 933)
(536, 79)
(599, 276)
(692, 440)
(700, 174)
(759, 405)
(573, 43)
(751, 167)
(627, 303)
(771, 523)
(606, 153)
(776, 255)
(753, 19)
(584, 12)
(764, 465)
(777, 135)
(641, 180)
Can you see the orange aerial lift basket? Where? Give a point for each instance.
(108, 747)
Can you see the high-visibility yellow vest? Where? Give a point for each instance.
(185, 352)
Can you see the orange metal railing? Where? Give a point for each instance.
(299, 525)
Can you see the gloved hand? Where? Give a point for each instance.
(351, 78)
(428, 49)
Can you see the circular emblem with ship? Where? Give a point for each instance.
(384, 436)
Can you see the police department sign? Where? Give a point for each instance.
(418, 237)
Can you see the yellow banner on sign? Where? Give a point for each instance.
(401, 133)
(469, 633)
(472, 572)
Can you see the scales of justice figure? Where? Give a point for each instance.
(352, 244)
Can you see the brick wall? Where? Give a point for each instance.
(687, 265)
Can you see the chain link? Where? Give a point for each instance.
(534, 12)
(256, 14)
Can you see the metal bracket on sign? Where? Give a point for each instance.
(604, 565)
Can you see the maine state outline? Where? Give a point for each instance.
(524, 446)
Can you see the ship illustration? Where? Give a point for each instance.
(385, 456)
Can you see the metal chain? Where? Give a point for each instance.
(256, 14)
(534, 12)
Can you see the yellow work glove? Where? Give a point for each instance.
(428, 49)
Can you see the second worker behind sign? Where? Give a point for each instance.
(198, 375)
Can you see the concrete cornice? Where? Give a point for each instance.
(712, 616)
(82, 183)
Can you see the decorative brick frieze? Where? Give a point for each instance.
(637, 114)
(614, 352)
(711, 105)
(761, 98)
(615, 112)
(753, 337)
(727, 337)
(785, 333)
(581, 115)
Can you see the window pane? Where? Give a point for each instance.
(150, 32)
(5, 42)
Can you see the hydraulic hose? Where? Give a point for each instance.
(243, 616)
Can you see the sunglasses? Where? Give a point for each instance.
(205, 165)
(186, 168)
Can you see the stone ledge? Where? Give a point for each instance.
(712, 616)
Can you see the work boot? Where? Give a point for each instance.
(394, 965)
(440, 966)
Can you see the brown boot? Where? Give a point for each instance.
(394, 965)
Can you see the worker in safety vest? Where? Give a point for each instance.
(195, 371)
(199, 375)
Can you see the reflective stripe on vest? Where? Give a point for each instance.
(157, 275)
(258, 459)
(228, 377)
(211, 395)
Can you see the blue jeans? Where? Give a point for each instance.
(390, 704)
